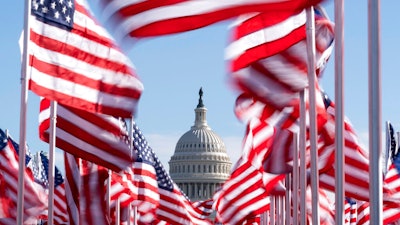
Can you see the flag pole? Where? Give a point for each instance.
(374, 90)
(288, 196)
(22, 120)
(339, 112)
(302, 149)
(310, 24)
(50, 175)
(295, 180)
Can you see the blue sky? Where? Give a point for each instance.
(174, 67)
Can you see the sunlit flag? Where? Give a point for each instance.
(74, 61)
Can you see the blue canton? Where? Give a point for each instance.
(3, 139)
(396, 161)
(58, 178)
(59, 13)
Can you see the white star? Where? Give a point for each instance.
(35, 5)
(64, 9)
(68, 19)
(53, 5)
(69, 4)
(61, 1)
(45, 10)
(56, 14)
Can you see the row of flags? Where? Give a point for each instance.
(82, 194)
(112, 172)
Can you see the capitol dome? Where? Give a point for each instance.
(200, 164)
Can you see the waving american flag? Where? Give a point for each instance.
(74, 61)
(34, 203)
(174, 206)
(40, 169)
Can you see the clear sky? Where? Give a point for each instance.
(173, 68)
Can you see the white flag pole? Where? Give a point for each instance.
(295, 180)
(339, 112)
(302, 149)
(272, 211)
(374, 91)
(50, 175)
(288, 195)
(310, 27)
(22, 120)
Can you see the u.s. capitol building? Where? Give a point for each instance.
(200, 163)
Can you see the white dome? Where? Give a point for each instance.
(200, 154)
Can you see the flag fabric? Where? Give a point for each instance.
(267, 54)
(149, 18)
(391, 144)
(40, 170)
(390, 213)
(86, 192)
(246, 192)
(350, 211)
(34, 203)
(274, 131)
(97, 138)
(74, 61)
(72, 182)
(92, 192)
(355, 165)
(174, 206)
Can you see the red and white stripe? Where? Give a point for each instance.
(355, 166)
(153, 18)
(82, 67)
(34, 199)
(93, 137)
(268, 54)
(350, 212)
(175, 208)
(72, 181)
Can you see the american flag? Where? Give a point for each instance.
(34, 203)
(391, 144)
(356, 164)
(40, 169)
(74, 61)
(85, 191)
(98, 138)
(350, 211)
(92, 192)
(245, 193)
(154, 18)
(174, 206)
(72, 182)
(272, 130)
(267, 54)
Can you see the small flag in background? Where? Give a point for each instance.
(74, 61)
(34, 203)
(40, 169)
